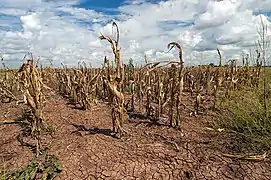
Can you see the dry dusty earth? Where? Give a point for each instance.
(85, 148)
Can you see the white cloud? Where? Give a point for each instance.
(217, 13)
(56, 29)
(12, 12)
(31, 22)
(20, 3)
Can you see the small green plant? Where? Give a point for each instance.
(46, 168)
(3, 174)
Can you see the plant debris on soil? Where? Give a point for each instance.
(83, 144)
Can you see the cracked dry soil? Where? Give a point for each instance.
(85, 148)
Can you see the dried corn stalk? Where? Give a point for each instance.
(32, 86)
(114, 83)
(175, 122)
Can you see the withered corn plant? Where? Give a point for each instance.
(218, 79)
(176, 94)
(114, 83)
(86, 84)
(148, 85)
(129, 84)
(8, 84)
(79, 85)
(32, 87)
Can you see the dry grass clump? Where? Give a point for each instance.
(246, 115)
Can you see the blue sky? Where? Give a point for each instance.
(67, 31)
(90, 4)
(109, 7)
(105, 6)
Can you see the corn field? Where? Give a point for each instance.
(158, 87)
(157, 91)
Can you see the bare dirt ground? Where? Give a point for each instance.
(86, 149)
